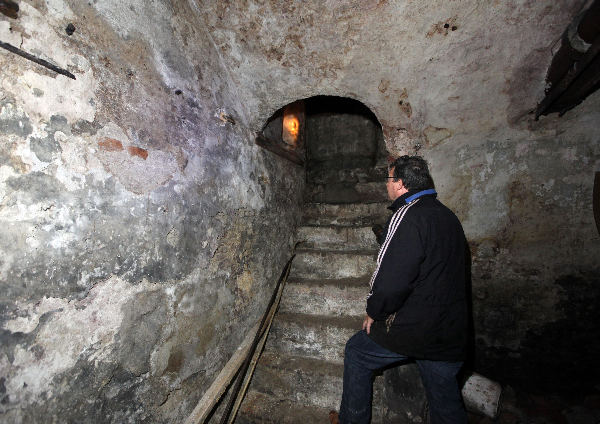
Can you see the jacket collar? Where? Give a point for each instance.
(409, 196)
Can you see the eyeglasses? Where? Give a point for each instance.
(393, 178)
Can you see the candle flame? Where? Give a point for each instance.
(292, 125)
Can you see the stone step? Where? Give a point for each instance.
(304, 381)
(336, 238)
(325, 297)
(300, 380)
(333, 264)
(260, 408)
(368, 192)
(312, 336)
(352, 214)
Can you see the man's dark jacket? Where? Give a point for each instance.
(421, 279)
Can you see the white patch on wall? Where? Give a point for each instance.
(140, 175)
(170, 77)
(136, 16)
(194, 170)
(8, 36)
(75, 327)
(240, 188)
(59, 9)
(487, 168)
(28, 157)
(137, 174)
(20, 212)
(6, 172)
(77, 162)
(32, 242)
(548, 185)
(33, 312)
(173, 237)
(61, 240)
(398, 141)
(70, 180)
(488, 207)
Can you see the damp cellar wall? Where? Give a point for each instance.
(142, 229)
(459, 85)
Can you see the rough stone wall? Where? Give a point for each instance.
(346, 158)
(142, 229)
(343, 141)
(456, 82)
(525, 200)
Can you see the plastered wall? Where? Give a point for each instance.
(142, 229)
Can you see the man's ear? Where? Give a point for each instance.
(400, 185)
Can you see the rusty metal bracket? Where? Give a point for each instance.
(36, 59)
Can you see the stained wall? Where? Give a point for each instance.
(142, 229)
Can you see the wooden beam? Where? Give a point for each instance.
(257, 353)
(217, 388)
(240, 361)
(36, 59)
(576, 69)
(265, 324)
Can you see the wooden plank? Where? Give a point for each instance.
(257, 352)
(256, 337)
(217, 388)
(248, 377)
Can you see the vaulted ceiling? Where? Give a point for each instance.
(430, 70)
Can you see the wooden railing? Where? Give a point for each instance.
(244, 359)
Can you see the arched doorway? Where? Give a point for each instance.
(340, 144)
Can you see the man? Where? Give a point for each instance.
(417, 306)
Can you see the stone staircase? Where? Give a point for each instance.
(299, 376)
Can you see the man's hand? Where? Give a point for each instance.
(367, 323)
(379, 232)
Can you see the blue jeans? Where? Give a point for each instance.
(363, 356)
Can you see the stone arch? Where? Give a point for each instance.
(343, 147)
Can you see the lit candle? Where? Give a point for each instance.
(293, 116)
